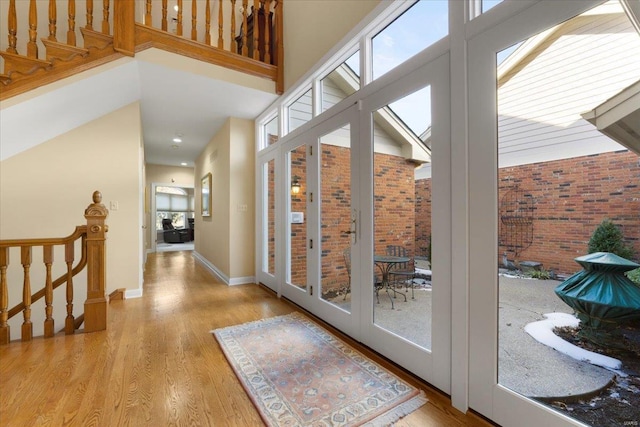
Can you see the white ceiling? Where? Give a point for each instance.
(175, 102)
(172, 102)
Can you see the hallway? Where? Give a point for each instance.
(157, 364)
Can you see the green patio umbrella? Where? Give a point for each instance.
(601, 294)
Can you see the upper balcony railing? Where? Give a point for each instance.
(222, 32)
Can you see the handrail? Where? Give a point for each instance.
(93, 236)
(249, 39)
(78, 232)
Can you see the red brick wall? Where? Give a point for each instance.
(394, 201)
(336, 214)
(571, 197)
(299, 231)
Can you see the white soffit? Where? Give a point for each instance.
(619, 117)
(26, 124)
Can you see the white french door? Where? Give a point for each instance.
(348, 185)
(321, 231)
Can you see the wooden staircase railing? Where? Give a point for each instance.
(93, 236)
(241, 44)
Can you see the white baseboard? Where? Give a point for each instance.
(133, 293)
(219, 274)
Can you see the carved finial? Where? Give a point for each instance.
(96, 208)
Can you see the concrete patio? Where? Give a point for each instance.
(525, 365)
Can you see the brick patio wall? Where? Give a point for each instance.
(570, 199)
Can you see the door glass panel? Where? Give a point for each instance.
(300, 111)
(298, 217)
(402, 218)
(419, 27)
(559, 180)
(341, 82)
(269, 262)
(335, 280)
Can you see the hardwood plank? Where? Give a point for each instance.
(158, 364)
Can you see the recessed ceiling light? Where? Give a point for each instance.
(177, 139)
(184, 163)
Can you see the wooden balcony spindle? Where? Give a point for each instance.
(5, 334)
(267, 32)
(48, 292)
(147, 16)
(89, 15)
(233, 28)
(32, 45)
(279, 54)
(12, 23)
(27, 326)
(220, 25)
(69, 327)
(71, 33)
(53, 18)
(207, 23)
(105, 17)
(164, 15)
(256, 29)
(95, 307)
(179, 27)
(245, 12)
(194, 20)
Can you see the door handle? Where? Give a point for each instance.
(348, 232)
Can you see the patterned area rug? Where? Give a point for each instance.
(298, 374)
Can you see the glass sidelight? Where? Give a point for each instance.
(402, 218)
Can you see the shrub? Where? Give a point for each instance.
(607, 237)
(634, 275)
(541, 274)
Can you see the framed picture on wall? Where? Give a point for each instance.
(205, 200)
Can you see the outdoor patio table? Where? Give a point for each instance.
(385, 263)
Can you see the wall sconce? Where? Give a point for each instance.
(295, 185)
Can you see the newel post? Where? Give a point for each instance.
(95, 307)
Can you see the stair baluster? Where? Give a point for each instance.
(245, 13)
(89, 25)
(48, 291)
(4, 297)
(71, 32)
(105, 17)
(194, 15)
(32, 46)
(12, 24)
(256, 29)
(164, 15)
(53, 17)
(233, 44)
(179, 27)
(147, 16)
(69, 321)
(27, 326)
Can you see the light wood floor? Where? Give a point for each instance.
(157, 364)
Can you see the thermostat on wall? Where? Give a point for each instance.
(297, 217)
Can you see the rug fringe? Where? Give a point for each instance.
(400, 411)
